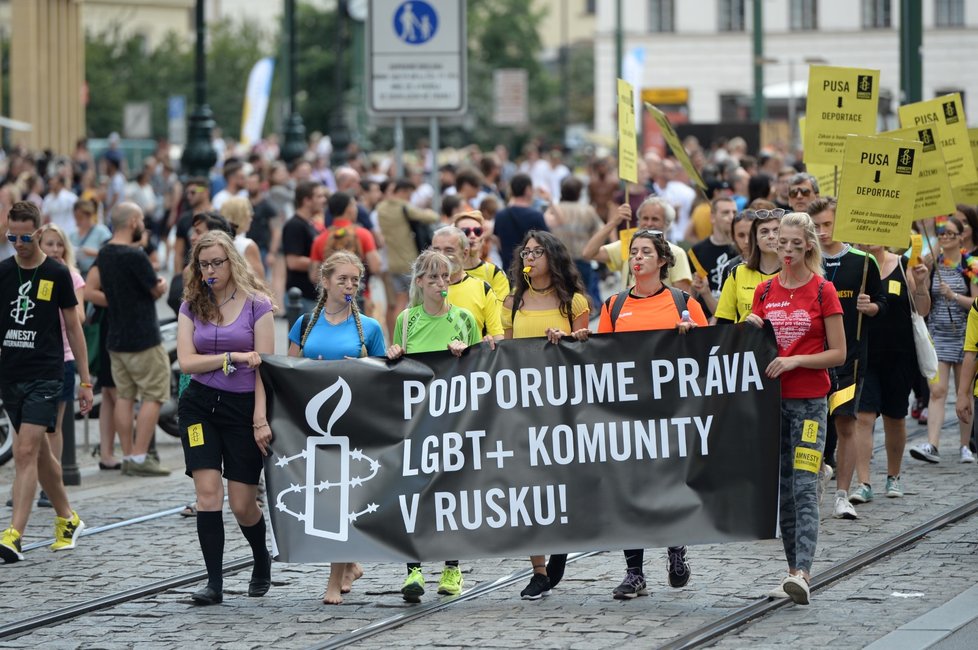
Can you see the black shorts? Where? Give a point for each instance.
(843, 377)
(216, 432)
(32, 402)
(887, 386)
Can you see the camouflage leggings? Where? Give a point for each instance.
(802, 444)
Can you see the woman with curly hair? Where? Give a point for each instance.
(335, 330)
(547, 297)
(225, 324)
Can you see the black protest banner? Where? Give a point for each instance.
(630, 440)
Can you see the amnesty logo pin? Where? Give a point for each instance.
(905, 161)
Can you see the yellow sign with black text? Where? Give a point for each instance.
(934, 195)
(627, 140)
(969, 193)
(877, 189)
(672, 140)
(824, 174)
(945, 115)
(841, 101)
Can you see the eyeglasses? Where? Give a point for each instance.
(948, 233)
(763, 215)
(216, 264)
(534, 253)
(27, 239)
(799, 191)
(648, 232)
(477, 231)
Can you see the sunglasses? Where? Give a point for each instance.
(799, 191)
(27, 239)
(647, 232)
(477, 231)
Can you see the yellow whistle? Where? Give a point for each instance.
(526, 269)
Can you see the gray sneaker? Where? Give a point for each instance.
(149, 467)
(926, 452)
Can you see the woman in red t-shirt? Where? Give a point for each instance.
(805, 312)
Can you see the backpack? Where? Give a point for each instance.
(679, 297)
(342, 238)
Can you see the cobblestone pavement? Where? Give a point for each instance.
(580, 613)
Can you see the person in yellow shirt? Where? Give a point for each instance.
(473, 224)
(465, 290)
(762, 264)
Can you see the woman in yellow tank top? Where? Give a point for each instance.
(547, 296)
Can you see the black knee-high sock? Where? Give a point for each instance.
(255, 534)
(634, 559)
(210, 532)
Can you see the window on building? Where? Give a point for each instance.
(731, 13)
(590, 6)
(804, 15)
(949, 13)
(660, 16)
(876, 14)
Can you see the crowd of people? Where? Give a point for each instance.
(386, 265)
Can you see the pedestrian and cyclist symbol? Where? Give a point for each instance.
(415, 22)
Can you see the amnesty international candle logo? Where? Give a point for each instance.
(905, 161)
(926, 136)
(950, 112)
(864, 86)
(23, 305)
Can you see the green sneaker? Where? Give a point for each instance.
(862, 494)
(893, 489)
(10, 548)
(149, 467)
(413, 587)
(451, 581)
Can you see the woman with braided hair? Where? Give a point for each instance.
(335, 330)
(225, 324)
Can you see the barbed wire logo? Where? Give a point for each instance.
(345, 482)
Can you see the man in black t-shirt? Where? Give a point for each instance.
(198, 200)
(710, 255)
(34, 291)
(298, 234)
(140, 364)
(518, 218)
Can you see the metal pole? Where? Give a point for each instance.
(619, 40)
(564, 71)
(294, 142)
(435, 176)
(792, 108)
(760, 109)
(69, 462)
(399, 147)
(911, 42)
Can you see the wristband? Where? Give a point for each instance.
(84, 384)
(228, 367)
(256, 427)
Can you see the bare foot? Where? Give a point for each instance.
(332, 597)
(352, 572)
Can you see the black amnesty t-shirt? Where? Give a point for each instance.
(297, 237)
(32, 347)
(128, 279)
(713, 257)
(845, 272)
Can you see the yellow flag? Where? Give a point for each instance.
(934, 194)
(672, 140)
(627, 141)
(946, 116)
(877, 190)
(840, 101)
(969, 193)
(697, 266)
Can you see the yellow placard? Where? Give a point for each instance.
(824, 174)
(895, 287)
(945, 115)
(807, 460)
(877, 188)
(668, 96)
(195, 435)
(809, 431)
(626, 241)
(916, 246)
(934, 195)
(675, 145)
(44, 289)
(697, 266)
(841, 101)
(627, 140)
(969, 193)
(840, 397)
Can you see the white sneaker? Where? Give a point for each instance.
(967, 456)
(778, 592)
(926, 452)
(843, 509)
(825, 474)
(797, 589)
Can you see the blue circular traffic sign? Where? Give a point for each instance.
(415, 22)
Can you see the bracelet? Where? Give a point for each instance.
(84, 384)
(256, 427)
(228, 367)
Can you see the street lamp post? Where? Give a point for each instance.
(294, 140)
(199, 155)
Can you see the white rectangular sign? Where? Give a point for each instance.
(416, 51)
(510, 92)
